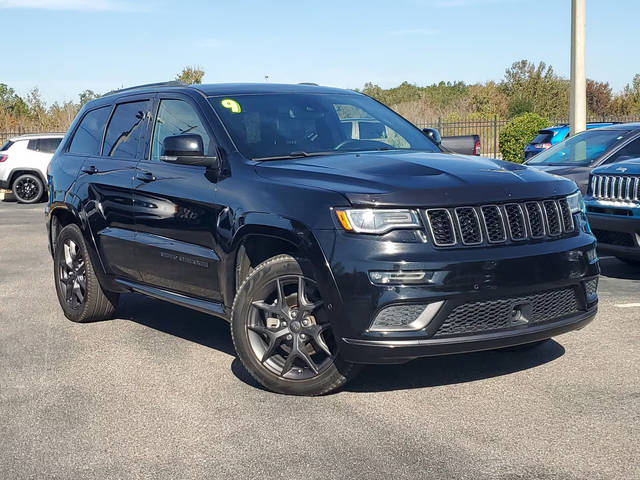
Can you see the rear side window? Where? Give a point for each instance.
(33, 145)
(88, 136)
(49, 145)
(543, 137)
(125, 129)
(6, 146)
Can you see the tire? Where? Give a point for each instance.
(281, 356)
(28, 188)
(629, 261)
(524, 347)
(80, 294)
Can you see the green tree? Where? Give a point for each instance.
(518, 133)
(190, 75)
(87, 95)
(598, 97)
(10, 102)
(535, 88)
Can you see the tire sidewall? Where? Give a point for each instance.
(331, 378)
(71, 232)
(38, 197)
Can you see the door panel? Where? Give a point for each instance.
(175, 212)
(109, 212)
(175, 220)
(108, 179)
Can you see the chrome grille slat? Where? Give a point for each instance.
(552, 217)
(469, 225)
(441, 225)
(493, 223)
(496, 224)
(565, 213)
(535, 219)
(516, 221)
(621, 188)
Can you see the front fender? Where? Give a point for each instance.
(303, 241)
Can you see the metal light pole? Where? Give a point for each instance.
(578, 100)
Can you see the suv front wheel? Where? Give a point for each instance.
(282, 333)
(28, 188)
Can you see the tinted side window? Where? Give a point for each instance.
(49, 145)
(88, 136)
(125, 129)
(33, 145)
(176, 117)
(631, 150)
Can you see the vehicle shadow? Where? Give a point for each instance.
(452, 369)
(177, 321)
(425, 372)
(614, 268)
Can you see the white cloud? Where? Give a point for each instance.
(410, 32)
(95, 5)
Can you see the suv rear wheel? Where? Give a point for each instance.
(79, 292)
(281, 330)
(28, 188)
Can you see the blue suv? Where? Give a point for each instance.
(613, 208)
(548, 137)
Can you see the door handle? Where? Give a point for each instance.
(91, 169)
(145, 176)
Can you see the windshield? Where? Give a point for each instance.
(265, 126)
(581, 149)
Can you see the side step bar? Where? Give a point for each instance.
(204, 306)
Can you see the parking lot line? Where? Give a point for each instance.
(628, 305)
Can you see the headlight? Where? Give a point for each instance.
(576, 203)
(379, 221)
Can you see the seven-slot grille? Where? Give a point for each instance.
(498, 223)
(616, 187)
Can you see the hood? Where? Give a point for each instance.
(559, 169)
(627, 167)
(417, 178)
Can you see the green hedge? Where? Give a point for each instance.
(518, 133)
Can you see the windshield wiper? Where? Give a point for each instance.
(296, 154)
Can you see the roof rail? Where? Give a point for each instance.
(309, 83)
(171, 83)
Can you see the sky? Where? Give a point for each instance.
(66, 46)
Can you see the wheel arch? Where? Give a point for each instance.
(16, 172)
(256, 241)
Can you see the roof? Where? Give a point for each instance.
(245, 88)
(622, 126)
(27, 136)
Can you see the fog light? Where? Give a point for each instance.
(399, 277)
(398, 318)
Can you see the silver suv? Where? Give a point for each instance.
(23, 164)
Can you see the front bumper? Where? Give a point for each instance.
(617, 235)
(460, 277)
(400, 351)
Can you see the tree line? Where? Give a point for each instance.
(525, 87)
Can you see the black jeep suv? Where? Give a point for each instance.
(253, 203)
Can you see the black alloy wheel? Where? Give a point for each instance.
(282, 332)
(80, 294)
(28, 188)
(72, 275)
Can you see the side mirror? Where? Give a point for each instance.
(433, 135)
(186, 150)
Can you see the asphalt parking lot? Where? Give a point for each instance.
(158, 393)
